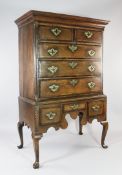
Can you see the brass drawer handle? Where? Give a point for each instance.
(91, 85)
(72, 48)
(74, 106)
(56, 31)
(52, 69)
(96, 108)
(88, 34)
(91, 53)
(91, 68)
(73, 82)
(51, 115)
(73, 64)
(52, 51)
(54, 87)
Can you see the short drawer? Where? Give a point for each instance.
(89, 36)
(50, 115)
(74, 106)
(55, 33)
(96, 107)
(69, 68)
(56, 88)
(69, 51)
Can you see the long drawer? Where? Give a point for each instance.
(53, 88)
(69, 51)
(68, 68)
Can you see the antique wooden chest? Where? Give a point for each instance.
(60, 72)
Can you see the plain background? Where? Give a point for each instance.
(62, 152)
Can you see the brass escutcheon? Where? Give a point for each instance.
(96, 108)
(88, 34)
(56, 31)
(91, 85)
(52, 69)
(73, 64)
(51, 115)
(74, 106)
(72, 48)
(91, 68)
(91, 53)
(73, 82)
(52, 51)
(54, 87)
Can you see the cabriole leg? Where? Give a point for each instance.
(36, 149)
(80, 125)
(20, 131)
(104, 132)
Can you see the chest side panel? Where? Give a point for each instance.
(26, 61)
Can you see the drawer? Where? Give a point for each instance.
(68, 68)
(89, 36)
(69, 51)
(96, 107)
(53, 88)
(55, 33)
(50, 115)
(74, 106)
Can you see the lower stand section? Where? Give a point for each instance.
(54, 116)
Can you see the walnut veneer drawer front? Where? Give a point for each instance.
(53, 88)
(74, 106)
(50, 115)
(96, 107)
(70, 51)
(55, 33)
(89, 36)
(68, 68)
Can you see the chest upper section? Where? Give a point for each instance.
(67, 52)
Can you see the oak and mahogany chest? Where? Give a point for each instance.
(60, 72)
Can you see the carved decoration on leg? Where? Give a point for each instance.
(20, 131)
(36, 139)
(104, 132)
(80, 123)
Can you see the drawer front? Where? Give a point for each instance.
(53, 88)
(69, 51)
(96, 108)
(74, 106)
(68, 68)
(50, 115)
(55, 33)
(89, 36)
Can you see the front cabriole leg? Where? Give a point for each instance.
(80, 124)
(20, 131)
(104, 132)
(36, 139)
